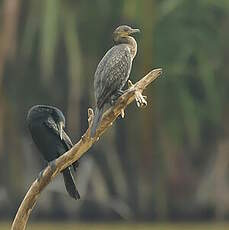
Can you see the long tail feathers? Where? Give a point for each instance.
(97, 118)
(70, 184)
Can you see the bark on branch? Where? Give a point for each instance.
(133, 93)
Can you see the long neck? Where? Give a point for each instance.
(130, 41)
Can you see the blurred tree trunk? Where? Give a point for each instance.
(8, 33)
(8, 36)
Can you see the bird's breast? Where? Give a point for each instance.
(49, 144)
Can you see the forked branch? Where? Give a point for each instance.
(133, 93)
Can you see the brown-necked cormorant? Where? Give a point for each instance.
(113, 71)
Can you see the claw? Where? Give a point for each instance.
(120, 92)
(130, 84)
(145, 97)
(122, 113)
(140, 99)
(90, 116)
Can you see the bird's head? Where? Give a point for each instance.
(124, 31)
(59, 118)
(45, 112)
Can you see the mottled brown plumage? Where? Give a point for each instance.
(113, 71)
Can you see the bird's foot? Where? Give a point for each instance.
(40, 175)
(140, 99)
(120, 92)
(90, 116)
(122, 113)
(130, 84)
(52, 165)
(115, 96)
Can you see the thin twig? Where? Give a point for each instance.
(133, 93)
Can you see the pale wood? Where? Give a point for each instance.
(133, 93)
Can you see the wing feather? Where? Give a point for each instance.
(112, 73)
(66, 141)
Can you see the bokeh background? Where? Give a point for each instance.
(168, 162)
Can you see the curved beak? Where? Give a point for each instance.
(133, 31)
(60, 126)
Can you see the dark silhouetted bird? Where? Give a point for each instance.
(113, 71)
(46, 125)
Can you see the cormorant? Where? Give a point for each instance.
(46, 125)
(113, 71)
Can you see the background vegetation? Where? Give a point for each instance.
(167, 162)
(122, 226)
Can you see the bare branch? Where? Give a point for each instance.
(133, 93)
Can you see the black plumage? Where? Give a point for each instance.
(113, 71)
(46, 125)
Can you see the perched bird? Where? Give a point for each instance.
(46, 125)
(113, 71)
